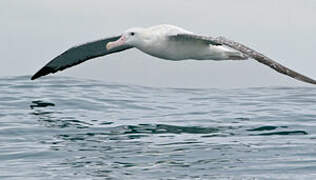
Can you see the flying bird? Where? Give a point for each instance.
(166, 42)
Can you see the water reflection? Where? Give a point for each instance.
(39, 103)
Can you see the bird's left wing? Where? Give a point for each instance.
(249, 52)
(79, 54)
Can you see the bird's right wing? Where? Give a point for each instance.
(264, 59)
(249, 52)
(192, 38)
(79, 54)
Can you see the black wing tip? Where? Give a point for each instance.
(43, 72)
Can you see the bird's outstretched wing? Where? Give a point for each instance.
(252, 54)
(193, 37)
(79, 54)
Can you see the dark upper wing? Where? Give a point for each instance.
(255, 55)
(193, 37)
(77, 55)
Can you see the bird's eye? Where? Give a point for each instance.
(132, 33)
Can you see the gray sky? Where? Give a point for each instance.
(35, 31)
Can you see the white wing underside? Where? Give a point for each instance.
(191, 46)
(247, 51)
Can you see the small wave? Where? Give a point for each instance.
(164, 128)
(284, 133)
(263, 128)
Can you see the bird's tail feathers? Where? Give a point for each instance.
(237, 56)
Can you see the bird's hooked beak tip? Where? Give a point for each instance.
(114, 44)
(109, 45)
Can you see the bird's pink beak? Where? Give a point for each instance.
(117, 43)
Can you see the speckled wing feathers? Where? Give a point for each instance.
(263, 59)
(193, 37)
(255, 55)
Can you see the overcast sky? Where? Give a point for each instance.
(33, 32)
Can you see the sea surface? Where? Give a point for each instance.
(67, 128)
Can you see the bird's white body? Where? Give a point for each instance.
(154, 41)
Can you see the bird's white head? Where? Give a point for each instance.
(130, 37)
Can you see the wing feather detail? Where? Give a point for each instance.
(79, 54)
(193, 37)
(252, 54)
(264, 59)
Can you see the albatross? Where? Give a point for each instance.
(166, 42)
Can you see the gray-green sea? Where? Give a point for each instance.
(67, 128)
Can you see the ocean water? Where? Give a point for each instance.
(66, 128)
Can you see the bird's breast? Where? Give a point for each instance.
(173, 50)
